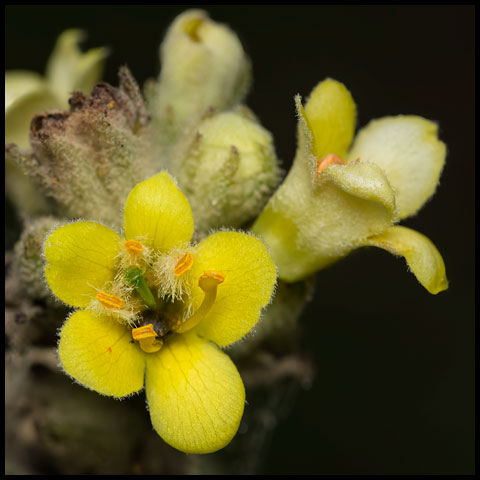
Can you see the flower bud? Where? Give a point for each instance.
(90, 158)
(229, 171)
(19, 189)
(203, 66)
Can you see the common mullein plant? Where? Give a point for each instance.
(162, 220)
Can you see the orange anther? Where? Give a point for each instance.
(109, 349)
(146, 331)
(111, 104)
(147, 338)
(110, 301)
(330, 159)
(133, 246)
(184, 264)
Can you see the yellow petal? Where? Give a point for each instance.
(330, 113)
(19, 83)
(408, 150)
(70, 69)
(96, 351)
(81, 259)
(195, 394)
(309, 226)
(26, 94)
(249, 279)
(158, 211)
(423, 258)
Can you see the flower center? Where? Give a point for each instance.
(158, 324)
(330, 159)
(161, 316)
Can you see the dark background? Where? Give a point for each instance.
(394, 386)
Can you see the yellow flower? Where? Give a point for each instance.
(338, 197)
(155, 308)
(28, 93)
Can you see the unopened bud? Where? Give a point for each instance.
(29, 261)
(204, 67)
(20, 190)
(230, 171)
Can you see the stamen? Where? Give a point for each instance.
(110, 301)
(208, 282)
(184, 264)
(134, 277)
(133, 246)
(330, 159)
(146, 331)
(147, 338)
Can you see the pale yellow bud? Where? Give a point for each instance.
(203, 66)
(229, 171)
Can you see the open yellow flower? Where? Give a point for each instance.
(155, 308)
(338, 197)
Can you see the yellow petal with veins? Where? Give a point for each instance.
(195, 394)
(96, 351)
(423, 258)
(158, 211)
(249, 279)
(81, 260)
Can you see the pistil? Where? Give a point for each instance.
(208, 282)
(134, 276)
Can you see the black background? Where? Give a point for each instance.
(394, 386)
